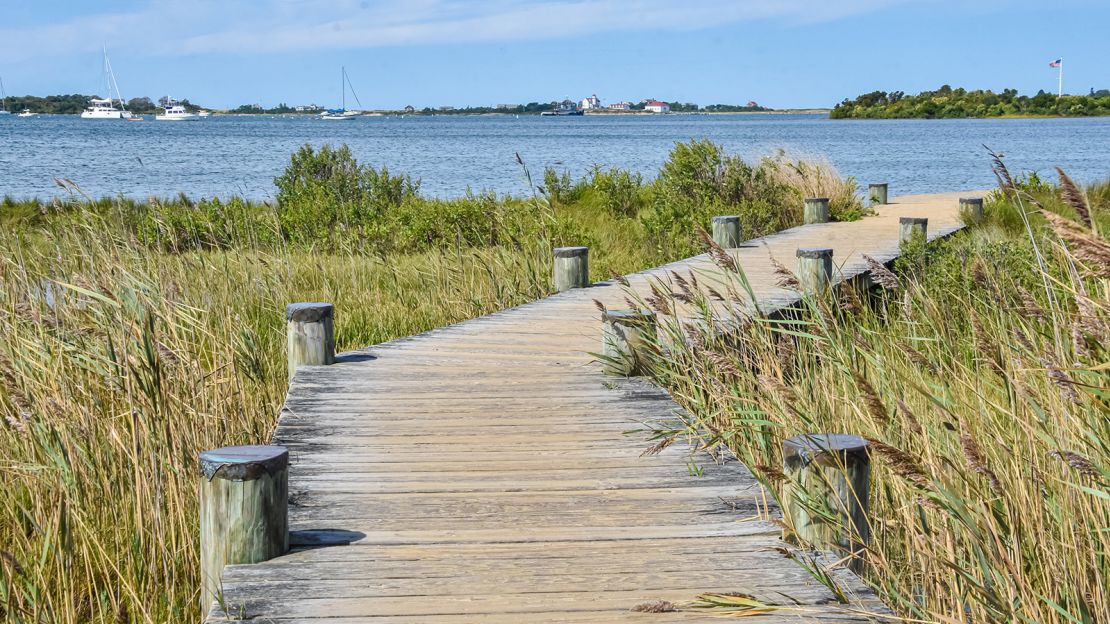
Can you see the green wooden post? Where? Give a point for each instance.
(815, 269)
(627, 337)
(825, 497)
(726, 231)
(971, 209)
(572, 268)
(310, 335)
(878, 193)
(911, 227)
(244, 501)
(816, 210)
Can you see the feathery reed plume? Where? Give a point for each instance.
(724, 365)
(974, 456)
(770, 473)
(714, 293)
(998, 167)
(846, 297)
(620, 279)
(883, 276)
(871, 399)
(1080, 464)
(694, 336)
(658, 447)
(919, 359)
(719, 255)
(659, 301)
(655, 606)
(1029, 306)
(910, 418)
(902, 463)
(1074, 197)
(600, 306)
(1093, 251)
(632, 305)
(785, 277)
(1060, 379)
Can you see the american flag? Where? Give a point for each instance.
(1056, 63)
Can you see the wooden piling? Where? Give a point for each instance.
(971, 209)
(815, 269)
(244, 500)
(912, 227)
(627, 339)
(816, 210)
(727, 232)
(310, 335)
(825, 497)
(878, 193)
(572, 268)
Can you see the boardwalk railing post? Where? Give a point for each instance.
(244, 500)
(878, 193)
(971, 209)
(572, 268)
(726, 231)
(826, 492)
(311, 334)
(910, 228)
(814, 269)
(627, 335)
(816, 210)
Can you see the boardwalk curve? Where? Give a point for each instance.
(483, 472)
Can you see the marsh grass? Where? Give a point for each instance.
(135, 334)
(979, 373)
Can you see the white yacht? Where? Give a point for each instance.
(27, 113)
(105, 108)
(176, 112)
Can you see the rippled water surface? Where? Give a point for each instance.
(221, 156)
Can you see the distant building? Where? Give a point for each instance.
(655, 106)
(507, 106)
(590, 103)
(753, 104)
(620, 106)
(308, 108)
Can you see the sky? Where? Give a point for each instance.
(779, 53)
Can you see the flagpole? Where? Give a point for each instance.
(1060, 88)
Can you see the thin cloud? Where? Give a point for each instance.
(211, 26)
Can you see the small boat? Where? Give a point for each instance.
(105, 108)
(341, 113)
(27, 113)
(3, 100)
(176, 112)
(204, 113)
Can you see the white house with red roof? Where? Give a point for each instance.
(655, 106)
(590, 103)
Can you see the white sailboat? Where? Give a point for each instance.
(3, 100)
(342, 113)
(176, 112)
(27, 113)
(105, 108)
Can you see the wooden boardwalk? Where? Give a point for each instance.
(483, 472)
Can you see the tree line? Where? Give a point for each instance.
(75, 103)
(949, 103)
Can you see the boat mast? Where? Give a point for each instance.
(343, 86)
(3, 96)
(112, 84)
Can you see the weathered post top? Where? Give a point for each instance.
(311, 312)
(816, 210)
(244, 510)
(815, 269)
(627, 336)
(243, 463)
(310, 335)
(971, 209)
(572, 268)
(801, 451)
(878, 192)
(909, 227)
(726, 231)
